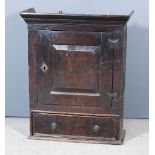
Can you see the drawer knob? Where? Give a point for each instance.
(96, 128)
(53, 126)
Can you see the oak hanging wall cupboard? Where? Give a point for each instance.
(76, 76)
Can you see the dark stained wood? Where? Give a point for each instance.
(77, 76)
(93, 27)
(74, 125)
(75, 38)
(33, 40)
(33, 17)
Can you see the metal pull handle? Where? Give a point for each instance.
(44, 67)
(96, 128)
(53, 126)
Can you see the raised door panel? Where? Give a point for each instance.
(75, 63)
(75, 70)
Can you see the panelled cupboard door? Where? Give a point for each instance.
(78, 68)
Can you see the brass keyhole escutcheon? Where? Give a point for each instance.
(44, 68)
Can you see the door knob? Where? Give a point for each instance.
(96, 128)
(53, 126)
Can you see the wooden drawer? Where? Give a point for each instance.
(73, 125)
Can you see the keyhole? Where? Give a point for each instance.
(44, 67)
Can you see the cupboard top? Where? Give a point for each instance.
(30, 17)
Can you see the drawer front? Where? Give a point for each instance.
(73, 125)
